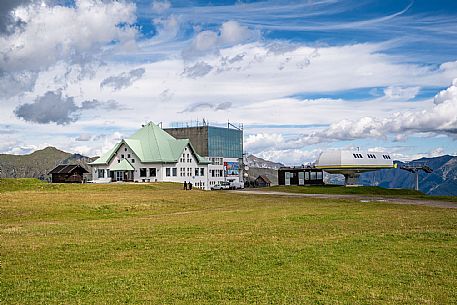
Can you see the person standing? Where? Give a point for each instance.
(190, 186)
(185, 185)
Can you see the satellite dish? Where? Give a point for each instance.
(246, 168)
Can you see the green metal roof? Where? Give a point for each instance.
(106, 157)
(124, 165)
(151, 144)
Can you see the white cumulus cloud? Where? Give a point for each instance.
(53, 33)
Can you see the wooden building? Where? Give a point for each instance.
(300, 176)
(262, 181)
(68, 173)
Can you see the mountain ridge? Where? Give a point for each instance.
(38, 163)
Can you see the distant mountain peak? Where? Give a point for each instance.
(443, 180)
(48, 149)
(38, 163)
(253, 161)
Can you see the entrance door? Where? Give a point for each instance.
(301, 178)
(119, 175)
(287, 176)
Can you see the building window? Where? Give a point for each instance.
(202, 171)
(122, 156)
(313, 175)
(133, 160)
(128, 156)
(175, 172)
(319, 176)
(167, 172)
(196, 171)
(125, 149)
(217, 161)
(152, 172)
(142, 172)
(101, 173)
(118, 161)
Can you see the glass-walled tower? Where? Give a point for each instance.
(222, 145)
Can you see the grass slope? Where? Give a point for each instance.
(359, 190)
(154, 243)
(338, 189)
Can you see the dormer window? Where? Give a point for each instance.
(125, 149)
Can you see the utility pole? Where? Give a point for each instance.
(415, 168)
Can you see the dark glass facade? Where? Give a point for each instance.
(225, 142)
(211, 141)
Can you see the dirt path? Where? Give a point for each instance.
(361, 198)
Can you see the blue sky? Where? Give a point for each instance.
(302, 76)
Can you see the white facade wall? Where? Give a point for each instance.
(187, 169)
(183, 170)
(217, 171)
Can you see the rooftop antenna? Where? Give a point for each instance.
(415, 168)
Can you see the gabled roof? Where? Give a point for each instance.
(151, 144)
(67, 169)
(124, 165)
(264, 178)
(106, 157)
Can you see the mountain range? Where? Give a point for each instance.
(38, 163)
(442, 181)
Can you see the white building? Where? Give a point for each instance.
(352, 163)
(152, 155)
(223, 146)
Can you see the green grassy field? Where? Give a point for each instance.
(359, 190)
(154, 243)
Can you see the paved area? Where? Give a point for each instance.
(361, 198)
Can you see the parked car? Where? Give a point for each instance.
(221, 186)
(236, 185)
